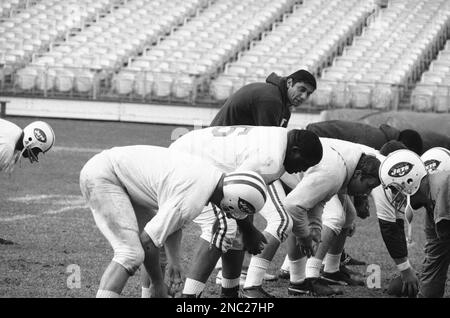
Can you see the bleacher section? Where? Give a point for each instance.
(433, 90)
(309, 38)
(195, 52)
(388, 57)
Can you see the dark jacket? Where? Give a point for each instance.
(257, 104)
(355, 132)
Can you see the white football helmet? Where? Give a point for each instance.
(244, 194)
(436, 159)
(402, 170)
(37, 137)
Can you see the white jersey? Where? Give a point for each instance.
(314, 187)
(164, 179)
(255, 148)
(9, 135)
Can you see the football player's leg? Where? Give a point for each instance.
(218, 233)
(279, 224)
(232, 262)
(332, 269)
(115, 218)
(333, 257)
(333, 219)
(435, 268)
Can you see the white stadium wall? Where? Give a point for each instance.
(127, 112)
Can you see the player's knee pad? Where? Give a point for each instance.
(130, 257)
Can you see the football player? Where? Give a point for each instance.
(344, 170)
(404, 173)
(141, 195)
(16, 143)
(270, 151)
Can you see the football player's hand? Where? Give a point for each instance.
(306, 245)
(158, 290)
(410, 283)
(174, 280)
(351, 230)
(253, 240)
(362, 206)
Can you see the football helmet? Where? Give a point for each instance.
(402, 171)
(244, 194)
(436, 159)
(37, 137)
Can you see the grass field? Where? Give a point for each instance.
(43, 213)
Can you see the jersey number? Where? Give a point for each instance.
(226, 131)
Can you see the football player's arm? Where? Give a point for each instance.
(153, 266)
(174, 272)
(393, 234)
(311, 191)
(252, 238)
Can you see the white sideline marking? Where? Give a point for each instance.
(30, 198)
(77, 149)
(68, 203)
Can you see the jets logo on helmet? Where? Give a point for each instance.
(432, 164)
(436, 159)
(244, 193)
(246, 206)
(400, 169)
(40, 135)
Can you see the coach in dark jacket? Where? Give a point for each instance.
(266, 104)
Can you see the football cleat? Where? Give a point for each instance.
(342, 278)
(255, 292)
(313, 286)
(346, 259)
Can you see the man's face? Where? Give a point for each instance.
(360, 185)
(294, 162)
(298, 92)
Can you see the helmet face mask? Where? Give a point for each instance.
(395, 196)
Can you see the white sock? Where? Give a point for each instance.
(297, 270)
(313, 266)
(332, 263)
(145, 293)
(256, 271)
(230, 283)
(285, 265)
(193, 287)
(102, 293)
